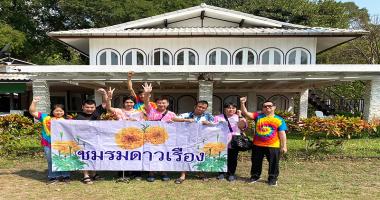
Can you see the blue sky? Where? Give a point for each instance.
(373, 6)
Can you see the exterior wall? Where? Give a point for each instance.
(201, 45)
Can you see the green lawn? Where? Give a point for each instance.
(351, 172)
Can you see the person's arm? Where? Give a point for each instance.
(182, 118)
(32, 108)
(129, 84)
(243, 109)
(103, 92)
(109, 108)
(242, 123)
(177, 119)
(147, 91)
(283, 146)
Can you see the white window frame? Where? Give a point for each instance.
(298, 56)
(245, 56)
(186, 56)
(218, 56)
(271, 56)
(108, 56)
(161, 50)
(134, 56)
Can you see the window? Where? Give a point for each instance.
(271, 56)
(245, 56)
(218, 57)
(298, 56)
(108, 57)
(161, 57)
(134, 57)
(186, 57)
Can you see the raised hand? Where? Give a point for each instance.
(130, 74)
(243, 99)
(147, 87)
(110, 92)
(102, 91)
(37, 99)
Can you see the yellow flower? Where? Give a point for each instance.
(129, 138)
(156, 135)
(65, 147)
(214, 148)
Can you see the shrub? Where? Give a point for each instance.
(290, 119)
(316, 131)
(19, 136)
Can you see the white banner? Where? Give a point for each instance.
(138, 146)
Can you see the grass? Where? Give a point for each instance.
(350, 172)
(333, 179)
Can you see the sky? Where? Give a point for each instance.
(373, 6)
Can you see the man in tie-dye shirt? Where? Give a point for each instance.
(269, 140)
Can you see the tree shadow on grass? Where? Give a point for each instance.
(32, 174)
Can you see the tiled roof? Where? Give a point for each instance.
(208, 31)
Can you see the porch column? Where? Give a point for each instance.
(252, 101)
(304, 97)
(205, 92)
(41, 88)
(372, 100)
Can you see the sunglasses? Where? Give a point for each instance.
(267, 106)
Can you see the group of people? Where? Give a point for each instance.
(269, 140)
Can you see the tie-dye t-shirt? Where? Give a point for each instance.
(267, 129)
(140, 104)
(45, 133)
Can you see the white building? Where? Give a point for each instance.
(207, 53)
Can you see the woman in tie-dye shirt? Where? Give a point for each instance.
(269, 140)
(56, 114)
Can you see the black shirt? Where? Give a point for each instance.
(94, 116)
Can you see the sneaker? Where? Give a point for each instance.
(150, 179)
(220, 177)
(253, 180)
(52, 181)
(231, 178)
(272, 183)
(165, 178)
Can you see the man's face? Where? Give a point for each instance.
(162, 104)
(200, 108)
(88, 108)
(268, 108)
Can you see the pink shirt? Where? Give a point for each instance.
(154, 115)
(234, 119)
(135, 115)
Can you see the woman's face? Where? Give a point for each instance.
(230, 110)
(128, 104)
(58, 112)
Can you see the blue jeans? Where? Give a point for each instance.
(51, 174)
